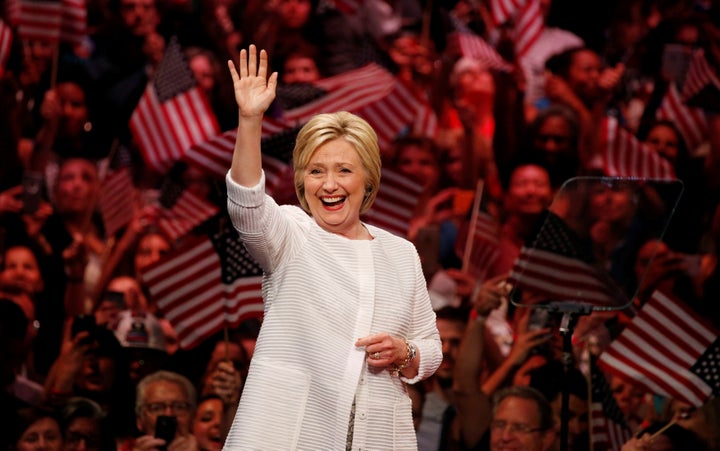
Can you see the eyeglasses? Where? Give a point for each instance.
(515, 428)
(176, 407)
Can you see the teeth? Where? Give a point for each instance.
(332, 199)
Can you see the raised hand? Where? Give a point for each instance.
(254, 90)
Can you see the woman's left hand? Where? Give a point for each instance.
(383, 349)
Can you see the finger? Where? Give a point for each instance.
(252, 61)
(233, 72)
(272, 81)
(243, 63)
(262, 69)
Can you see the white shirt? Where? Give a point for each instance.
(322, 292)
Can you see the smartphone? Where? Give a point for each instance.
(675, 62)
(165, 428)
(117, 298)
(32, 184)
(83, 323)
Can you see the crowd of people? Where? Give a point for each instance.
(89, 360)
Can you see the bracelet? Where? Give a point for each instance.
(409, 357)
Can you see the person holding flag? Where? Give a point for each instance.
(328, 279)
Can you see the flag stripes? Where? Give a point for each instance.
(659, 347)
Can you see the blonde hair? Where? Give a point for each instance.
(327, 127)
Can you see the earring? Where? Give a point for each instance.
(87, 126)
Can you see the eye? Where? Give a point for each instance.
(314, 171)
(345, 170)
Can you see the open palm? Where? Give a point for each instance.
(254, 90)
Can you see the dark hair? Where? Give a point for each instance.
(26, 417)
(550, 380)
(559, 64)
(543, 406)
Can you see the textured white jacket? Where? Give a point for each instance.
(322, 292)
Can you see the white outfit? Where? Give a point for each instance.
(322, 292)
(551, 42)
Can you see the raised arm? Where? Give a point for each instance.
(254, 92)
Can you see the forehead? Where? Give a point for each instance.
(20, 253)
(78, 165)
(518, 410)
(556, 124)
(337, 149)
(164, 390)
(529, 172)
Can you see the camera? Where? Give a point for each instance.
(83, 323)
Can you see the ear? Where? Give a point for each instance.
(548, 439)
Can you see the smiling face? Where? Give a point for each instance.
(206, 427)
(22, 269)
(335, 184)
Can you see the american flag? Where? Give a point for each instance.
(64, 20)
(558, 266)
(690, 121)
(608, 427)
(395, 203)
(471, 45)
(117, 199)
(215, 156)
(485, 241)
(625, 156)
(527, 18)
(180, 211)
(504, 10)
(702, 84)
(205, 285)
(6, 40)
(528, 27)
(370, 92)
(172, 114)
(669, 350)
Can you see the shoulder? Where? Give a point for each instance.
(391, 240)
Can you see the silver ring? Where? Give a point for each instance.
(375, 355)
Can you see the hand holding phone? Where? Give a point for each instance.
(32, 184)
(166, 428)
(83, 323)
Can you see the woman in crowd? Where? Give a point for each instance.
(360, 280)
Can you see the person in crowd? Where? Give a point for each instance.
(435, 431)
(14, 349)
(658, 437)
(82, 422)
(551, 40)
(633, 402)
(703, 421)
(577, 78)
(91, 365)
(164, 393)
(36, 428)
(552, 381)
(337, 167)
(209, 75)
(207, 426)
(553, 137)
(521, 419)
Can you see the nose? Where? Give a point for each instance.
(330, 184)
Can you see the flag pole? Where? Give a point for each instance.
(470, 238)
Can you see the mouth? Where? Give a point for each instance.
(332, 202)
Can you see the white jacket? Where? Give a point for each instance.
(322, 292)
